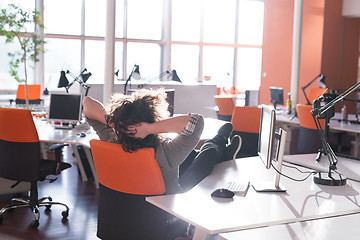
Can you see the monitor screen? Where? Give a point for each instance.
(276, 96)
(266, 135)
(65, 108)
(269, 142)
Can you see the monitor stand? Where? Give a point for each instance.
(64, 126)
(275, 186)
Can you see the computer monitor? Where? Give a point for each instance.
(276, 96)
(270, 141)
(65, 109)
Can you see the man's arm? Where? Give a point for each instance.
(94, 109)
(170, 125)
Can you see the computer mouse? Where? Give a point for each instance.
(82, 134)
(222, 193)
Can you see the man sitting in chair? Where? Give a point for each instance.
(141, 119)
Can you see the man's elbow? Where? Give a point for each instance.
(86, 103)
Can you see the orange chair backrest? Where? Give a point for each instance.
(315, 93)
(225, 104)
(17, 125)
(34, 91)
(134, 173)
(246, 119)
(306, 119)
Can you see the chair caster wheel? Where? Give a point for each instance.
(48, 207)
(35, 223)
(65, 214)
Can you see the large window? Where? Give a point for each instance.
(6, 81)
(215, 41)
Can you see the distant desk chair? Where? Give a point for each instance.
(309, 139)
(315, 93)
(226, 106)
(125, 180)
(34, 93)
(20, 160)
(246, 122)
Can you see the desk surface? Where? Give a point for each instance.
(342, 227)
(335, 124)
(348, 167)
(48, 133)
(302, 201)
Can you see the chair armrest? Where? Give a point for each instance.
(58, 150)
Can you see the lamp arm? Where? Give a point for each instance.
(339, 98)
(127, 81)
(77, 79)
(329, 151)
(307, 85)
(155, 78)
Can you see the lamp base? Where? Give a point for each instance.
(335, 179)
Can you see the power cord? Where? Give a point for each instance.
(294, 179)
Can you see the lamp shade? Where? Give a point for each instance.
(136, 73)
(85, 76)
(63, 81)
(321, 81)
(174, 76)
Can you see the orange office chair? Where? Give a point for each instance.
(309, 139)
(20, 160)
(34, 93)
(125, 179)
(226, 106)
(246, 122)
(315, 93)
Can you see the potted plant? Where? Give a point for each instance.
(13, 22)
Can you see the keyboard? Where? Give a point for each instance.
(238, 187)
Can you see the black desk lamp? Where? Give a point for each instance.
(81, 79)
(135, 73)
(321, 83)
(324, 109)
(173, 77)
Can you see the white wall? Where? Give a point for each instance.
(351, 8)
(197, 98)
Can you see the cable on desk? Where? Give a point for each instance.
(294, 179)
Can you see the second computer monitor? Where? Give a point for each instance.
(277, 96)
(65, 108)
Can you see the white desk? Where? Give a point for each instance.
(302, 201)
(47, 133)
(335, 228)
(284, 119)
(348, 167)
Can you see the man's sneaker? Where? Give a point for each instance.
(233, 148)
(225, 130)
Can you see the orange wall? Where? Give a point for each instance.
(329, 45)
(333, 37)
(350, 57)
(311, 44)
(277, 47)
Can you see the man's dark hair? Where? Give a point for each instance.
(141, 106)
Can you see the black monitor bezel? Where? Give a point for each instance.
(277, 96)
(65, 120)
(266, 156)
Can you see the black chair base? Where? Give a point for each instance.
(21, 203)
(129, 216)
